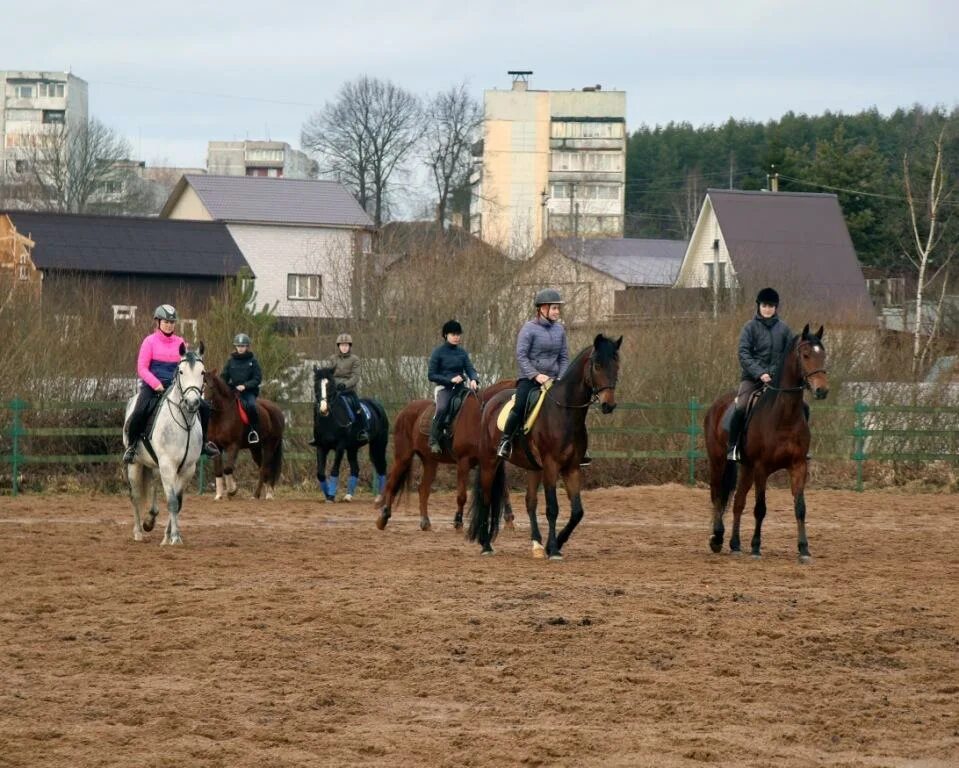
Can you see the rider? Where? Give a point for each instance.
(242, 372)
(157, 364)
(450, 366)
(762, 348)
(541, 353)
(346, 376)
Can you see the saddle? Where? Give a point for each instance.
(531, 410)
(727, 419)
(449, 418)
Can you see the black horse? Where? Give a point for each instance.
(334, 429)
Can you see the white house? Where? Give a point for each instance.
(304, 239)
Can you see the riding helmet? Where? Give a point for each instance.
(451, 326)
(548, 296)
(241, 340)
(768, 296)
(165, 312)
(344, 338)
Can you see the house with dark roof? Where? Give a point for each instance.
(599, 277)
(308, 241)
(795, 242)
(116, 267)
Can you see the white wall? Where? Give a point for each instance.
(274, 252)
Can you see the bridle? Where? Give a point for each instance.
(324, 400)
(806, 375)
(188, 415)
(594, 391)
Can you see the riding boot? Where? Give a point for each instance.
(363, 435)
(434, 441)
(136, 425)
(209, 448)
(505, 442)
(735, 427)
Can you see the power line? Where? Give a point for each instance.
(862, 192)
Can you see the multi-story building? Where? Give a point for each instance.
(258, 158)
(33, 103)
(549, 163)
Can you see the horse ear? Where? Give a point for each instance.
(619, 342)
(598, 339)
(821, 331)
(805, 331)
(182, 349)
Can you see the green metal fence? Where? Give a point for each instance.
(654, 431)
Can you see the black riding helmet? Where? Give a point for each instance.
(767, 296)
(451, 326)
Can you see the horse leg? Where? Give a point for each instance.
(218, 473)
(392, 487)
(550, 476)
(717, 467)
(231, 454)
(321, 454)
(174, 499)
(138, 495)
(332, 484)
(573, 482)
(798, 473)
(426, 485)
(462, 475)
(739, 503)
(354, 478)
(508, 516)
(532, 491)
(759, 512)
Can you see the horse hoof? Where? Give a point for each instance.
(805, 559)
(378, 500)
(487, 552)
(269, 497)
(426, 525)
(736, 552)
(348, 497)
(716, 546)
(539, 552)
(508, 525)
(137, 536)
(457, 525)
(381, 521)
(330, 499)
(557, 556)
(218, 497)
(756, 556)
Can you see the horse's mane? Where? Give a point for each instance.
(219, 386)
(606, 352)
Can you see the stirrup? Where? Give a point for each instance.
(505, 448)
(363, 436)
(210, 449)
(733, 454)
(253, 438)
(130, 454)
(435, 447)
(586, 460)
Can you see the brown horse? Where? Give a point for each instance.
(777, 437)
(554, 447)
(411, 438)
(229, 432)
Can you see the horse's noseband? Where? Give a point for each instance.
(807, 374)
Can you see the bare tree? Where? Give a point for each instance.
(452, 118)
(70, 164)
(363, 136)
(927, 227)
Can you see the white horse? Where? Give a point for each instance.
(176, 440)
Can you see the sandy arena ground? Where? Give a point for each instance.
(293, 633)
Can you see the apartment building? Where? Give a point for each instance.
(549, 164)
(33, 102)
(258, 158)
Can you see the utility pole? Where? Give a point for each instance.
(732, 158)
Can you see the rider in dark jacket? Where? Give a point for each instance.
(242, 372)
(762, 348)
(450, 366)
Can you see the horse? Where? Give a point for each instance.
(333, 430)
(411, 438)
(554, 447)
(776, 437)
(229, 432)
(173, 448)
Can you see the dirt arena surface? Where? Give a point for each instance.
(292, 633)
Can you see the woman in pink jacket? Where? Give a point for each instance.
(156, 366)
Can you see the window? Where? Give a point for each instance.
(20, 166)
(576, 130)
(23, 91)
(306, 287)
(50, 90)
(54, 116)
(712, 271)
(587, 161)
(124, 313)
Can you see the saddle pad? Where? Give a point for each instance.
(533, 413)
(243, 415)
(504, 413)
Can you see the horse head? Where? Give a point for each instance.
(812, 362)
(323, 389)
(189, 377)
(603, 371)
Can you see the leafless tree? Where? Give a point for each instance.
(70, 164)
(363, 136)
(928, 219)
(452, 118)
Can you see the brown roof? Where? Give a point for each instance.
(799, 243)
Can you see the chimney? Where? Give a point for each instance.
(520, 78)
(520, 85)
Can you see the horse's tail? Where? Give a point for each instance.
(484, 518)
(728, 483)
(379, 437)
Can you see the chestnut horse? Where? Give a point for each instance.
(554, 446)
(411, 438)
(776, 437)
(229, 432)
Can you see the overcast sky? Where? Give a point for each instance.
(172, 76)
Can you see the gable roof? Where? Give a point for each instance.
(799, 238)
(634, 261)
(130, 245)
(267, 200)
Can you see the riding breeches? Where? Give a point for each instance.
(141, 410)
(442, 397)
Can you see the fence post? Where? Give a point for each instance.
(16, 430)
(693, 431)
(859, 442)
